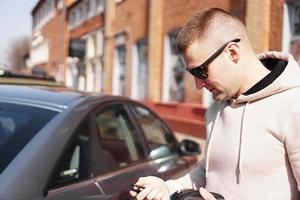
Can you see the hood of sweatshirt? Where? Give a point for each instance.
(288, 79)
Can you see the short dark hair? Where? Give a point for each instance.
(197, 26)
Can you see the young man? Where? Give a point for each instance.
(253, 128)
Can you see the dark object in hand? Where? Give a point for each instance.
(136, 188)
(191, 194)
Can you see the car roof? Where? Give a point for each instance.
(39, 95)
(50, 96)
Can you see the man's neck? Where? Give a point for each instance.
(253, 72)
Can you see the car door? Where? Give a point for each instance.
(122, 144)
(163, 146)
(72, 178)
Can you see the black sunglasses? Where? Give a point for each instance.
(201, 71)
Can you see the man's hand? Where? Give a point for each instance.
(155, 188)
(206, 194)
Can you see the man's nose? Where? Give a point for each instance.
(199, 83)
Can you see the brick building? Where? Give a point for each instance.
(48, 35)
(126, 47)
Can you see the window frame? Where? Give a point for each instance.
(166, 126)
(104, 107)
(292, 6)
(66, 150)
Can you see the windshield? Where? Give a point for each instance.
(18, 125)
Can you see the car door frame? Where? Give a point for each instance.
(134, 170)
(83, 188)
(178, 168)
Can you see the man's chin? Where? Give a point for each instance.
(219, 97)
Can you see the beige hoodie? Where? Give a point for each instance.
(253, 146)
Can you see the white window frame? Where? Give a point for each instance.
(168, 73)
(134, 71)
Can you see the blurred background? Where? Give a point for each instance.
(127, 47)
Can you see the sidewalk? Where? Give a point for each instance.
(201, 142)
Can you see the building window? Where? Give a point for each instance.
(92, 61)
(296, 20)
(72, 19)
(294, 15)
(39, 54)
(44, 14)
(173, 76)
(142, 70)
(177, 66)
(84, 11)
(291, 28)
(100, 6)
(60, 4)
(119, 69)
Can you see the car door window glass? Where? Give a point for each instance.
(118, 137)
(73, 164)
(160, 140)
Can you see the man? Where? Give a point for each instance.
(253, 128)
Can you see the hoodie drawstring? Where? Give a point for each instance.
(239, 168)
(210, 140)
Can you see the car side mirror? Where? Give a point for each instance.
(189, 147)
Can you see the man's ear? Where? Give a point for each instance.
(233, 52)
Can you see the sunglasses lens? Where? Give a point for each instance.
(203, 76)
(199, 73)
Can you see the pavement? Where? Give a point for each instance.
(200, 141)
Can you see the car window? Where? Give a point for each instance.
(117, 137)
(161, 142)
(18, 124)
(73, 164)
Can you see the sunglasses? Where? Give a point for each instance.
(201, 71)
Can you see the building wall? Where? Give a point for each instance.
(276, 25)
(54, 34)
(88, 26)
(132, 16)
(268, 16)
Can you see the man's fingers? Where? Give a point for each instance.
(148, 180)
(143, 194)
(153, 194)
(154, 189)
(132, 193)
(142, 181)
(206, 195)
(159, 196)
(166, 197)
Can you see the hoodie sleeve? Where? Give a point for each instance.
(193, 180)
(292, 144)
